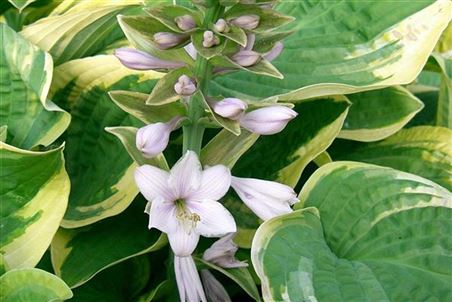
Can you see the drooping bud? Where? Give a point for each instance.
(222, 253)
(230, 108)
(267, 199)
(185, 86)
(188, 281)
(221, 26)
(185, 22)
(274, 52)
(267, 120)
(215, 291)
(209, 39)
(246, 58)
(139, 60)
(165, 40)
(246, 22)
(152, 139)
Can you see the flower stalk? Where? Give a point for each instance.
(193, 132)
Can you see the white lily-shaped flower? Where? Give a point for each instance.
(183, 204)
(267, 199)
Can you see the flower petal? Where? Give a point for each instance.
(215, 182)
(188, 281)
(214, 289)
(153, 182)
(162, 216)
(185, 176)
(182, 241)
(215, 220)
(222, 253)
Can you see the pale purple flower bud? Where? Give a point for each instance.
(165, 40)
(267, 199)
(246, 58)
(153, 138)
(246, 22)
(221, 26)
(230, 108)
(267, 120)
(185, 86)
(185, 22)
(188, 281)
(274, 52)
(215, 291)
(209, 39)
(139, 60)
(222, 253)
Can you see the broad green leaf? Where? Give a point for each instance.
(423, 150)
(100, 169)
(80, 31)
(127, 136)
(240, 275)
(21, 4)
(32, 119)
(33, 197)
(445, 42)
(444, 112)
(378, 235)
(135, 104)
(103, 244)
(343, 47)
(377, 114)
(32, 284)
(30, 14)
(282, 157)
(119, 283)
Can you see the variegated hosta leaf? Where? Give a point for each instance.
(377, 114)
(25, 77)
(444, 112)
(105, 243)
(423, 150)
(100, 169)
(81, 31)
(282, 157)
(119, 283)
(445, 42)
(343, 47)
(378, 235)
(34, 193)
(32, 284)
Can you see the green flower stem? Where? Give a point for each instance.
(193, 132)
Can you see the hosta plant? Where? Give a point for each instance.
(225, 150)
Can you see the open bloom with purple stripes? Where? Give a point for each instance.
(183, 202)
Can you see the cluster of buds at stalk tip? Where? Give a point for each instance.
(185, 202)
